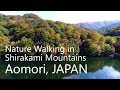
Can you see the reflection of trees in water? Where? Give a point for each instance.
(94, 64)
(98, 63)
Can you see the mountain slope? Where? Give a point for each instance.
(113, 31)
(97, 25)
(109, 27)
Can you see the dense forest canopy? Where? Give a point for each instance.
(113, 31)
(29, 30)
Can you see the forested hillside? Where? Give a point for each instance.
(29, 30)
(109, 27)
(113, 31)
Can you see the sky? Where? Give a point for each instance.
(71, 16)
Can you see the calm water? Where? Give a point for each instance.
(107, 72)
(98, 68)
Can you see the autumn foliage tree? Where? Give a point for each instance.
(29, 30)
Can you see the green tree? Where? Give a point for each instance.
(110, 40)
(4, 30)
(94, 50)
(25, 42)
(108, 50)
(4, 41)
(84, 48)
(94, 36)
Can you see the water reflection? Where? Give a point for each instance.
(107, 72)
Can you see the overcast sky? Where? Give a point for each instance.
(71, 16)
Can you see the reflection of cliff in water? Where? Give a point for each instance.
(107, 72)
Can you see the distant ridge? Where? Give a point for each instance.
(98, 26)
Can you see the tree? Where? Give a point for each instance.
(84, 48)
(1, 33)
(110, 40)
(29, 29)
(102, 41)
(94, 36)
(94, 50)
(4, 41)
(25, 42)
(4, 30)
(108, 50)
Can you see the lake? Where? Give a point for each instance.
(98, 68)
